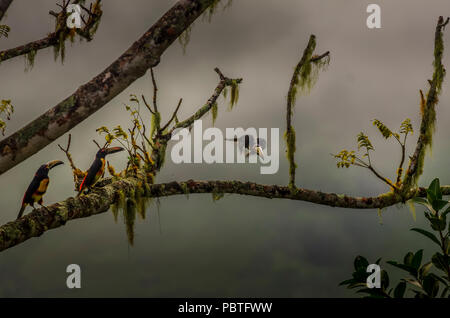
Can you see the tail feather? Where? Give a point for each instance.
(21, 211)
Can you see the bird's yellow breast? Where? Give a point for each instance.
(39, 193)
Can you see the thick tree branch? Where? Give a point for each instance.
(90, 97)
(100, 199)
(4, 5)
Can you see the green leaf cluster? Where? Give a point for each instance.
(425, 279)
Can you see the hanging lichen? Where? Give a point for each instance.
(217, 195)
(428, 111)
(214, 111)
(185, 38)
(129, 217)
(185, 189)
(412, 208)
(380, 216)
(29, 60)
(156, 121)
(234, 96)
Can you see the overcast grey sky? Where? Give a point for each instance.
(374, 74)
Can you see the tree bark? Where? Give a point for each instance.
(90, 97)
(4, 5)
(110, 191)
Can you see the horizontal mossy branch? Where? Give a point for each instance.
(90, 97)
(110, 191)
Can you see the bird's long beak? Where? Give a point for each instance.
(259, 152)
(113, 150)
(54, 163)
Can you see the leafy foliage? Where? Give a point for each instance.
(384, 130)
(364, 142)
(234, 96)
(133, 139)
(406, 127)
(347, 158)
(421, 280)
(4, 30)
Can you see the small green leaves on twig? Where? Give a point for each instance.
(384, 130)
(347, 158)
(4, 30)
(364, 142)
(406, 127)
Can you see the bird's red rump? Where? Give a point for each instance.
(82, 183)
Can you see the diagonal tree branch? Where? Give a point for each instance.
(90, 97)
(4, 5)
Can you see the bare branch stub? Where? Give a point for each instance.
(155, 91)
(174, 115)
(78, 175)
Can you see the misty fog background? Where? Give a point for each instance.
(237, 246)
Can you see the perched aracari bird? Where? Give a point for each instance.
(97, 169)
(38, 186)
(248, 145)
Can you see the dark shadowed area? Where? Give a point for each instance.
(236, 246)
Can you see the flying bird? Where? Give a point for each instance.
(38, 186)
(248, 145)
(97, 169)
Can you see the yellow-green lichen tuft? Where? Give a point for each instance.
(214, 111)
(289, 137)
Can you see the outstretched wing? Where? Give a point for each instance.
(246, 142)
(262, 143)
